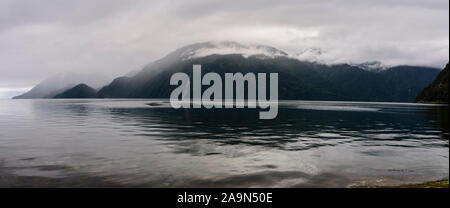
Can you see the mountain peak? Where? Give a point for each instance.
(372, 66)
(313, 54)
(79, 91)
(203, 49)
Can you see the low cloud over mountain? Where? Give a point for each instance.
(300, 80)
(41, 38)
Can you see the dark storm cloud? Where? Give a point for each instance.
(41, 38)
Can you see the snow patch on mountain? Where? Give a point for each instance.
(308, 54)
(229, 47)
(312, 54)
(318, 55)
(376, 66)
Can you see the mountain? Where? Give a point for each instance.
(437, 91)
(79, 91)
(46, 89)
(300, 80)
(57, 84)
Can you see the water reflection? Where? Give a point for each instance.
(145, 143)
(439, 116)
(294, 129)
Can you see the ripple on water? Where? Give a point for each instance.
(146, 143)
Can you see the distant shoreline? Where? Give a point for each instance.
(431, 102)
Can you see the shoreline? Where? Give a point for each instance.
(431, 184)
(78, 180)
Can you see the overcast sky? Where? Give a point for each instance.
(44, 37)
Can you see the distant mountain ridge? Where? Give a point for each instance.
(42, 91)
(57, 84)
(298, 80)
(438, 90)
(79, 91)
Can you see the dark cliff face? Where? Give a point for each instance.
(297, 80)
(437, 91)
(79, 91)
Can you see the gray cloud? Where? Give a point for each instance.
(41, 38)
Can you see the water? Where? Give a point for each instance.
(145, 143)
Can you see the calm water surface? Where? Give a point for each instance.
(146, 143)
